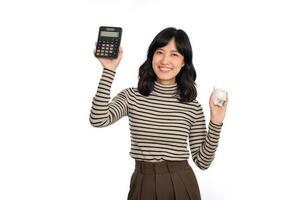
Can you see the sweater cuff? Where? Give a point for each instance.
(218, 126)
(109, 70)
(107, 76)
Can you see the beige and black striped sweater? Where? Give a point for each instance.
(160, 125)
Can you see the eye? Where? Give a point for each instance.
(158, 52)
(174, 54)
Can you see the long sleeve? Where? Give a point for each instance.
(104, 113)
(203, 144)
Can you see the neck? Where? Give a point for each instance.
(166, 82)
(167, 89)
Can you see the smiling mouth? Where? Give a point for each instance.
(164, 69)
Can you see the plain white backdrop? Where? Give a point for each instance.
(48, 77)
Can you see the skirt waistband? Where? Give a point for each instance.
(161, 167)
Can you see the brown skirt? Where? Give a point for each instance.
(166, 180)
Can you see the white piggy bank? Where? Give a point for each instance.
(219, 96)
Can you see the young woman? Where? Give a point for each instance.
(163, 115)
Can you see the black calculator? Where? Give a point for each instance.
(109, 39)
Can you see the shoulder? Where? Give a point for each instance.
(196, 105)
(129, 91)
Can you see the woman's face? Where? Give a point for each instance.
(167, 63)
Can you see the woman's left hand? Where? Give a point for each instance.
(217, 113)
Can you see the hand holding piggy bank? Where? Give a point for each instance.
(218, 104)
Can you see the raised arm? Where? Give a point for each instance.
(203, 144)
(104, 113)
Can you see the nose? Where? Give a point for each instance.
(165, 60)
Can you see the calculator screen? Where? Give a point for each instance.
(109, 34)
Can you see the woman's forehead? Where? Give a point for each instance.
(171, 46)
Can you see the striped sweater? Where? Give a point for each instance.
(159, 124)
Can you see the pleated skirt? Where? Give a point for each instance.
(166, 180)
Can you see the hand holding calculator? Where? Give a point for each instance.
(109, 39)
(111, 64)
(108, 49)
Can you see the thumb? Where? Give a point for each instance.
(120, 53)
(120, 50)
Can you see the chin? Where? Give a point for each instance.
(164, 78)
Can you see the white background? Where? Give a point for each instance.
(48, 77)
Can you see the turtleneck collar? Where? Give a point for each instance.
(165, 89)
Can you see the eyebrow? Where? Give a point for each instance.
(171, 50)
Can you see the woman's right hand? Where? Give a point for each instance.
(110, 63)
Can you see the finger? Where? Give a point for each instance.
(211, 95)
(120, 50)
(211, 100)
(225, 103)
(120, 53)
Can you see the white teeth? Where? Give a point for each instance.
(164, 69)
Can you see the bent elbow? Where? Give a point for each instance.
(96, 123)
(201, 165)
(92, 123)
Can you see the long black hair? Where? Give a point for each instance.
(185, 79)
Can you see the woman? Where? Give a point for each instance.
(163, 113)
